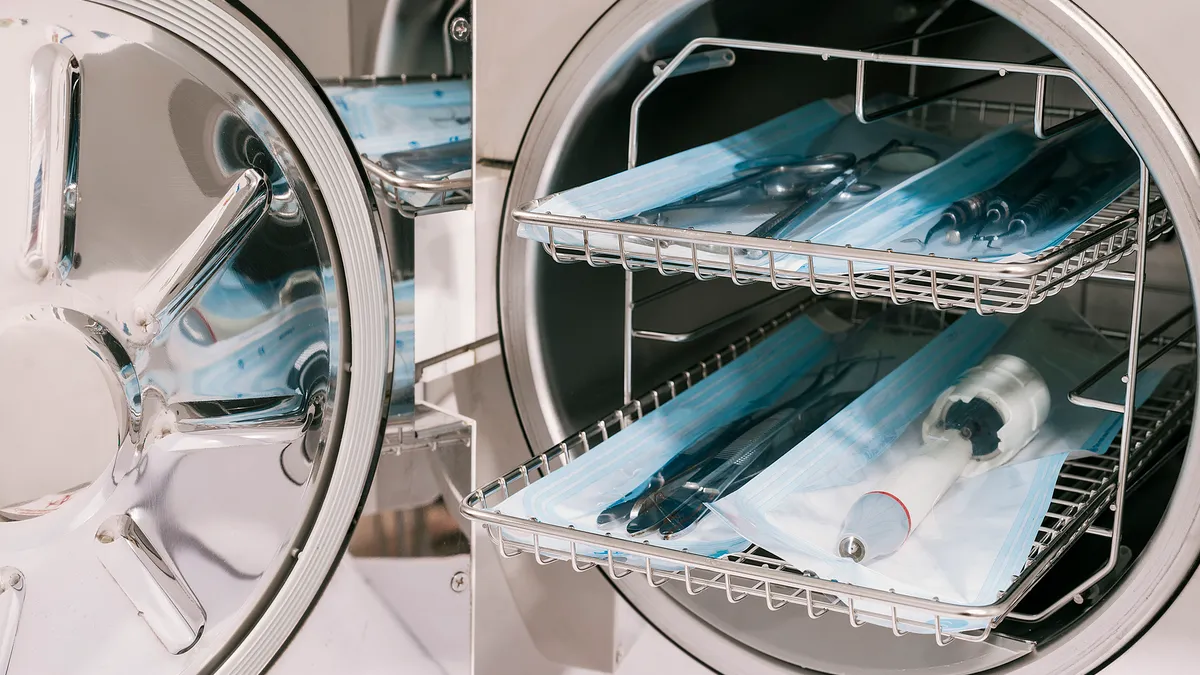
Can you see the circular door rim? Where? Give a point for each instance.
(1146, 117)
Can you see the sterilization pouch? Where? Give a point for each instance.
(1095, 168)
(391, 117)
(784, 365)
(821, 128)
(977, 538)
(892, 205)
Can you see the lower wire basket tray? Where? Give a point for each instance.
(1084, 489)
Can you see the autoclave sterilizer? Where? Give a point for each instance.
(575, 93)
(207, 346)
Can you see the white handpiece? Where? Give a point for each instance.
(983, 421)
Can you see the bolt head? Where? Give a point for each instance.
(458, 582)
(12, 580)
(460, 29)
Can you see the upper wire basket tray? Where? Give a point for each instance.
(438, 195)
(1084, 489)
(944, 282)
(447, 194)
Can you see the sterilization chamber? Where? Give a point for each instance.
(605, 318)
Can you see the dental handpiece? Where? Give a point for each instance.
(1038, 212)
(956, 221)
(993, 412)
(1020, 186)
(1085, 189)
(965, 219)
(1062, 198)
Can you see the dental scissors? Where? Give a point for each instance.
(674, 498)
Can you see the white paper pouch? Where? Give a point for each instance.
(979, 534)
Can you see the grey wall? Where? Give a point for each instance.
(317, 30)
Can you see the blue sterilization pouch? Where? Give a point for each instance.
(815, 361)
(904, 179)
(419, 131)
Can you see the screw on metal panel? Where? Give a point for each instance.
(460, 29)
(458, 582)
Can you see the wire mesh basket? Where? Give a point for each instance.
(398, 191)
(1085, 487)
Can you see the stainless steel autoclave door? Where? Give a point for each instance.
(195, 334)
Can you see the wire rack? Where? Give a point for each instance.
(1086, 487)
(944, 282)
(986, 287)
(427, 428)
(447, 194)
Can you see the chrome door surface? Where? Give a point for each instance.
(195, 326)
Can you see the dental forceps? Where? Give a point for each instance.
(894, 156)
(674, 498)
(773, 178)
(764, 181)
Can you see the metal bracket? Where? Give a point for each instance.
(428, 429)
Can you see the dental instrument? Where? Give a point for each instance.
(673, 499)
(981, 422)
(785, 223)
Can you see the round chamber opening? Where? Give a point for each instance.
(564, 324)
